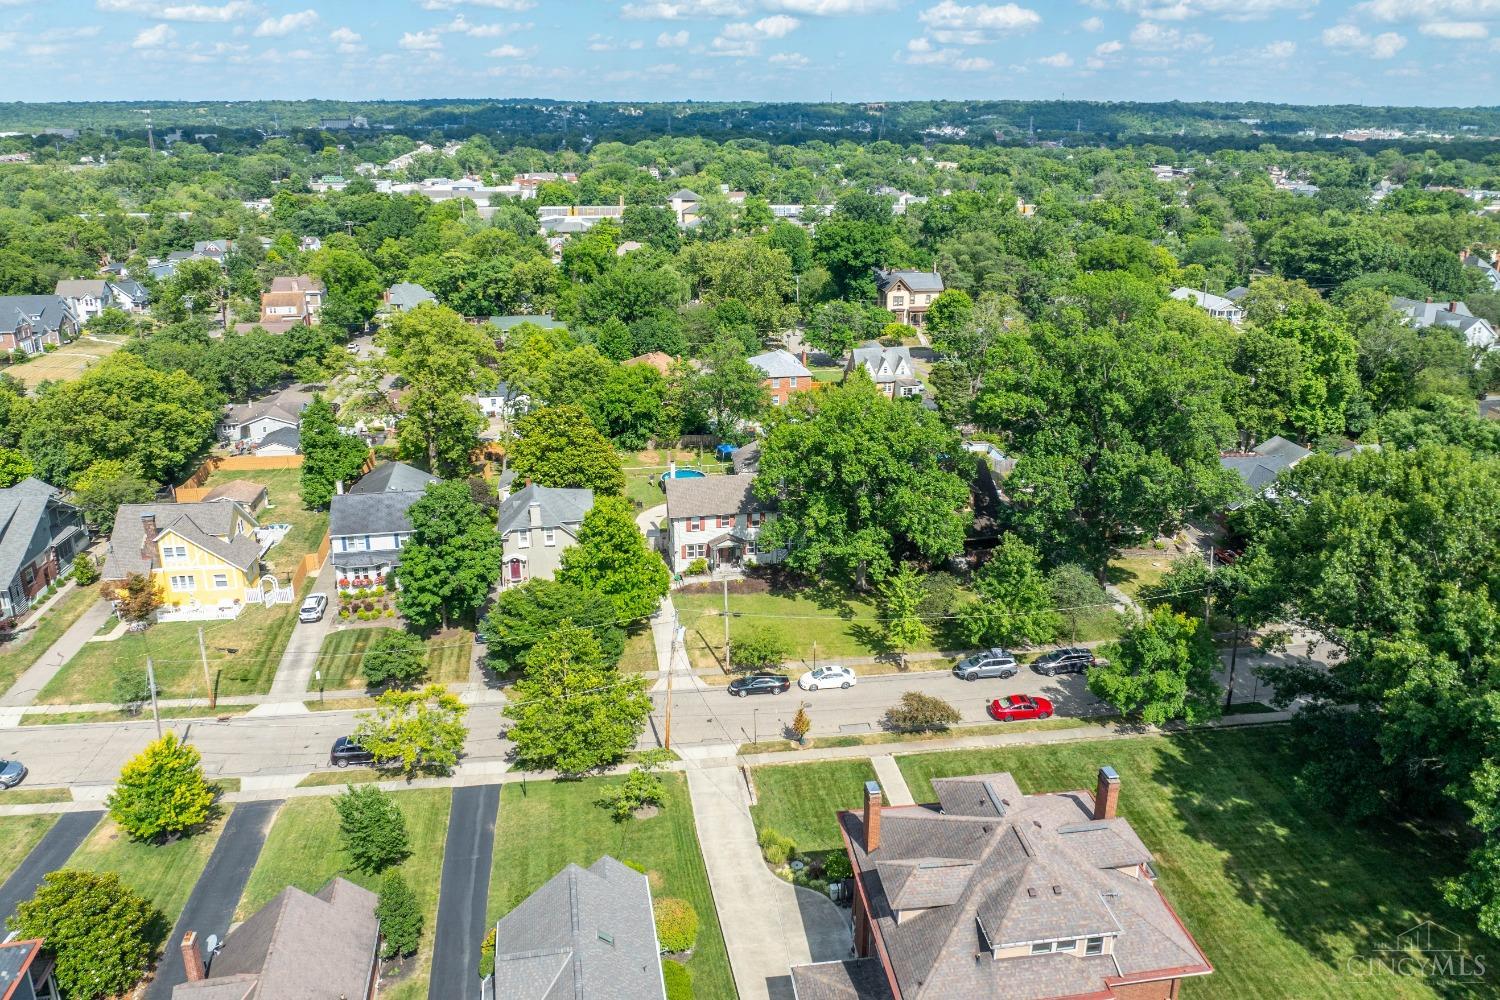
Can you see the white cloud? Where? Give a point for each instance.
(154, 37)
(421, 41)
(202, 12)
(791, 60)
(1229, 10)
(831, 8)
(461, 25)
(509, 52)
(1153, 36)
(979, 24)
(677, 11)
(1108, 48)
(743, 38)
(1457, 30)
(1279, 51)
(516, 6)
(1349, 38)
(286, 24)
(1430, 10)
(672, 39)
(347, 41)
(921, 52)
(1092, 24)
(1058, 60)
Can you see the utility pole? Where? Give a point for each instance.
(151, 683)
(677, 632)
(1233, 658)
(213, 697)
(727, 661)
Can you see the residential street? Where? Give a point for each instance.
(464, 895)
(210, 908)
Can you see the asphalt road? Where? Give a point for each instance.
(465, 891)
(50, 853)
(210, 908)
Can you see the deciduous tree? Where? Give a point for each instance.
(560, 446)
(396, 658)
(524, 615)
(329, 455)
(1162, 670)
(1014, 606)
(161, 791)
(611, 559)
(899, 602)
(101, 932)
(420, 730)
(400, 917)
(452, 558)
(373, 829)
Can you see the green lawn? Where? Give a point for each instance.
(242, 652)
(640, 650)
(544, 825)
(1280, 896)
(800, 800)
(643, 470)
(284, 489)
(18, 835)
(304, 849)
(18, 654)
(1132, 572)
(163, 873)
(448, 655)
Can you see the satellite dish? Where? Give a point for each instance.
(212, 945)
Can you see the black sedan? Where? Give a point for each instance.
(759, 684)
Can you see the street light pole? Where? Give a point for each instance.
(677, 633)
(213, 696)
(151, 684)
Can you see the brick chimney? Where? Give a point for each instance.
(148, 537)
(192, 957)
(1453, 306)
(1107, 794)
(872, 816)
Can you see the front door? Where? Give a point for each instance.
(517, 571)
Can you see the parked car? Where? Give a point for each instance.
(740, 687)
(345, 752)
(312, 608)
(828, 676)
(995, 662)
(12, 773)
(1015, 707)
(1068, 660)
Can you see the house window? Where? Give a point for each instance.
(1065, 945)
(1043, 948)
(174, 551)
(1094, 946)
(695, 524)
(898, 300)
(549, 536)
(723, 521)
(698, 550)
(755, 518)
(775, 383)
(221, 580)
(523, 539)
(184, 583)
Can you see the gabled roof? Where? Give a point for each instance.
(408, 295)
(22, 507)
(393, 477)
(371, 513)
(684, 194)
(206, 524)
(660, 360)
(885, 364)
(917, 281)
(1263, 463)
(586, 933)
(77, 288)
(558, 508)
(45, 313)
(780, 364)
(286, 405)
(241, 490)
(286, 437)
(297, 947)
(130, 288)
(296, 283)
(1205, 300)
(711, 496)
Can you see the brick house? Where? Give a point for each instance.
(784, 375)
(715, 518)
(906, 295)
(29, 323)
(990, 893)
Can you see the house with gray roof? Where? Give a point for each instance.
(1259, 467)
(1485, 267)
(907, 295)
(30, 323)
(205, 556)
(87, 297)
(367, 530)
(782, 374)
(1217, 306)
(129, 295)
(890, 368)
(537, 524)
(393, 477)
(1477, 331)
(299, 946)
(405, 296)
(246, 424)
(587, 932)
(990, 893)
(717, 519)
(40, 535)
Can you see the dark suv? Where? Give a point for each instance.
(990, 663)
(345, 752)
(1068, 660)
(759, 684)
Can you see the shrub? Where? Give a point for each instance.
(676, 924)
(759, 648)
(138, 597)
(634, 866)
(917, 712)
(836, 867)
(373, 828)
(696, 568)
(161, 791)
(399, 915)
(678, 979)
(85, 571)
(776, 848)
(801, 724)
(102, 934)
(487, 954)
(398, 658)
(642, 787)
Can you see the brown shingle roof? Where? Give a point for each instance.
(711, 495)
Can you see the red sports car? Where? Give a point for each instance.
(1020, 706)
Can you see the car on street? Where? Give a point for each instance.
(345, 752)
(312, 608)
(12, 773)
(741, 687)
(1015, 707)
(828, 676)
(1067, 660)
(995, 662)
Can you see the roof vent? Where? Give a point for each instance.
(1031, 891)
(1057, 890)
(608, 939)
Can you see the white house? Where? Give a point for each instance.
(1476, 330)
(1217, 306)
(717, 519)
(87, 297)
(249, 423)
(889, 367)
(505, 401)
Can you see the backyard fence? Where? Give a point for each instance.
(311, 565)
(234, 463)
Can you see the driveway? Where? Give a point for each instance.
(30, 684)
(50, 854)
(210, 908)
(294, 675)
(465, 892)
(769, 925)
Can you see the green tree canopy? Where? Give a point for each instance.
(523, 615)
(102, 933)
(1161, 670)
(329, 455)
(452, 558)
(161, 791)
(611, 559)
(421, 730)
(559, 446)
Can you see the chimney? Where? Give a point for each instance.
(872, 816)
(338, 487)
(148, 539)
(1107, 794)
(192, 957)
(535, 511)
(1453, 306)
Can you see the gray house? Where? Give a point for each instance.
(1260, 466)
(40, 534)
(587, 932)
(393, 477)
(1476, 330)
(406, 295)
(890, 368)
(366, 533)
(537, 523)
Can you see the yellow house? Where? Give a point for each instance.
(205, 557)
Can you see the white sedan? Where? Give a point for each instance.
(832, 675)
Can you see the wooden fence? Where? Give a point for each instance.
(311, 564)
(239, 463)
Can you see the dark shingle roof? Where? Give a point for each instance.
(22, 507)
(371, 513)
(46, 313)
(393, 477)
(206, 524)
(558, 507)
(287, 437)
(855, 979)
(917, 281)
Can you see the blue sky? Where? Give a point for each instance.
(1375, 52)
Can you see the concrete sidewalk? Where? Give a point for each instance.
(769, 925)
(892, 781)
(26, 688)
